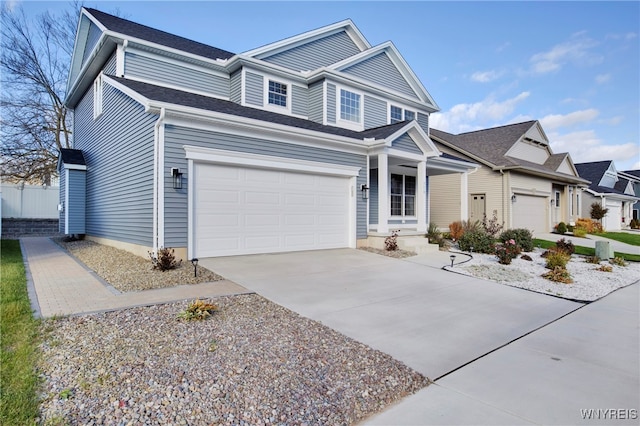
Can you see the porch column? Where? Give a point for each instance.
(464, 196)
(421, 197)
(383, 193)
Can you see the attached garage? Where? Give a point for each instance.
(612, 221)
(530, 212)
(242, 209)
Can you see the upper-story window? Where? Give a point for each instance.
(397, 114)
(349, 106)
(277, 94)
(97, 96)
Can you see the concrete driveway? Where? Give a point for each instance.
(432, 320)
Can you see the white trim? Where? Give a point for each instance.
(66, 202)
(181, 64)
(265, 94)
(120, 57)
(404, 111)
(190, 210)
(464, 196)
(161, 185)
(353, 211)
(74, 166)
(218, 156)
(98, 91)
(383, 193)
(421, 198)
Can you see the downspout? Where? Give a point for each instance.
(157, 175)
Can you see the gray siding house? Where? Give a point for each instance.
(312, 142)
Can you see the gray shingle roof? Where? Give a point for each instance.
(178, 97)
(143, 32)
(594, 171)
(490, 145)
(633, 172)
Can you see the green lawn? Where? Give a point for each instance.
(19, 348)
(584, 251)
(623, 237)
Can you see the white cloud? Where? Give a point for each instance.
(603, 78)
(486, 76)
(11, 5)
(554, 121)
(575, 51)
(586, 146)
(465, 117)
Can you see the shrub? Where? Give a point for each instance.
(491, 226)
(522, 237)
(526, 257)
(597, 212)
(579, 232)
(559, 275)
(456, 230)
(165, 259)
(435, 236)
(590, 225)
(471, 226)
(565, 246)
(618, 261)
(477, 241)
(592, 259)
(557, 259)
(198, 310)
(605, 268)
(507, 251)
(634, 224)
(391, 242)
(561, 228)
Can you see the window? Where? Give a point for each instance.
(557, 201)
(349, 106)
(97, 97)
(403, 195)
(277, 93)
(397, 114)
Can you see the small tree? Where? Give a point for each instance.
(598, 212)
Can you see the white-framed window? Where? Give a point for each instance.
(97, 96)
(350, 106)
(277, 93)
(397, 113)
(403, 195)
(557, 199)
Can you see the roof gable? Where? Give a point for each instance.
(596, 172)
(385, 63)
(299, 40)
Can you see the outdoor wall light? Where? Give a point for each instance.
(513, 198)
(194, 261)
(177, 178)
(365, 192)
(452, 257)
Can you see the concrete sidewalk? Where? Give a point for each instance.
(60, 285)
(590, 241)
(582, 368)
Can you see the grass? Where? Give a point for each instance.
(585, 251)
(623, 237)
(19, 349)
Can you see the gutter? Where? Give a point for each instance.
(158, 182)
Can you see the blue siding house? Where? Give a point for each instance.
(316, 141)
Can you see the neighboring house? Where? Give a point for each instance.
(311, 142)
(611, 190)
(634, 178)
(520, 178)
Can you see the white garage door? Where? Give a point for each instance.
(613, 218)
(243, 210)
(530, 212)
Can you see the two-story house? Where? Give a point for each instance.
(312, 142)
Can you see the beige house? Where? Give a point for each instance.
(519, 178)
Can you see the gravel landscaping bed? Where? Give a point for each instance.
(251, 363)
(588, 283)
(128, 272)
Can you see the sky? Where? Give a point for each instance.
(574, 66)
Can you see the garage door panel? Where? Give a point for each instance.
(263, 211)
(530, 212)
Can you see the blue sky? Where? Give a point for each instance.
(572, 65)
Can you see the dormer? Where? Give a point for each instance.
(533, 146)
(609, 177)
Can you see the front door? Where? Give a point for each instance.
(477, 207)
